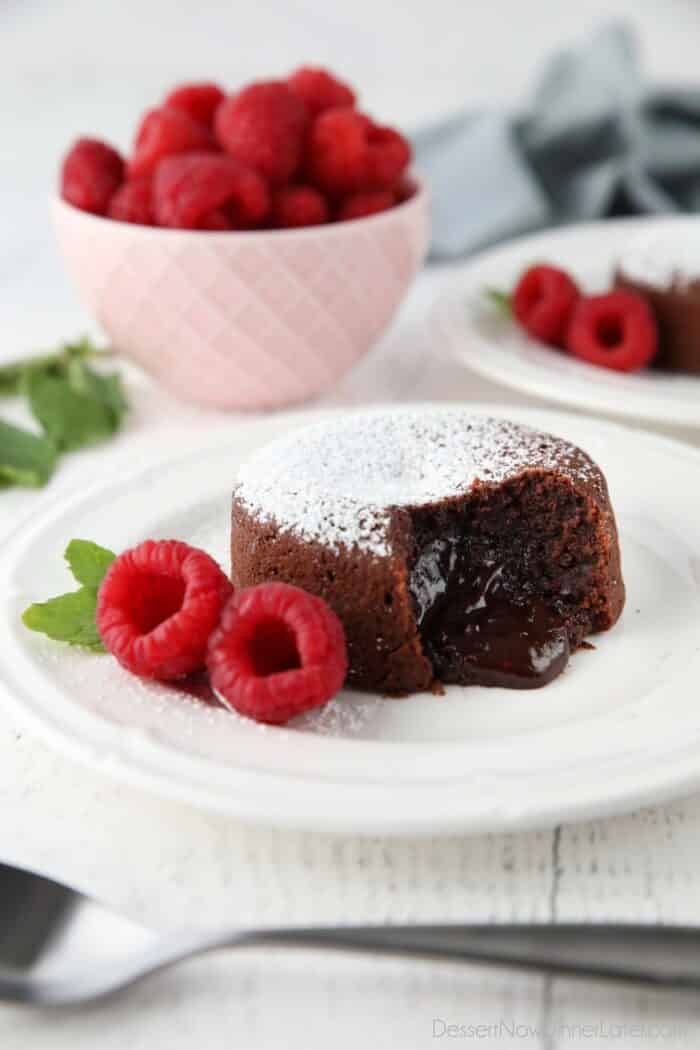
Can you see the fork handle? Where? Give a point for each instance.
(656, 955)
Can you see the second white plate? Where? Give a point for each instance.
(620, 728)
(474, 333)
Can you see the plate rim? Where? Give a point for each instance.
(258, 809)
(536, 384)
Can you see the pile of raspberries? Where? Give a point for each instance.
(279, 153)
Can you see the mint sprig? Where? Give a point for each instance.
(71, 617)
(75, 405)
(501, 300)
(25, 459)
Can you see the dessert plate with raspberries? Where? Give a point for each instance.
(603, 316)
(418, 619)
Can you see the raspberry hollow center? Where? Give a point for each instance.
(610, 332)
(154, 600)
(272, 648)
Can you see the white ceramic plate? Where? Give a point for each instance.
(621, 727)
(474, 333)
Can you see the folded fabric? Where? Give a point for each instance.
(595, 142)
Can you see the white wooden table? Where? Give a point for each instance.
(168, 864)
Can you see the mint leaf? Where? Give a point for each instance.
(501, 300)
(25, 458)
(11, 379)
(106, 389)
(13, 374)
(88, 561)
(68, 618)
(70, 420)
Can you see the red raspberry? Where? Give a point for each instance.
(162, 132)
(298, 206)
(198, 101)
(405, 189)
(320, 90)
(216, 220)
(543, 301)
(133, 202)
(90, 174)
(278, 651)
(189, 187)
(357, 205)
(263, 126)
(158, 605)
(347, 153)
(617, 331)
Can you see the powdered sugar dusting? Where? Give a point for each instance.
(335, 481)
(661, 257)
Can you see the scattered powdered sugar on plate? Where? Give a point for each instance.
(335, 481)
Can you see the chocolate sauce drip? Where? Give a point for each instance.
(474, 631)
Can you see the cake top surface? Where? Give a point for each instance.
(662, 257)
(335, 481)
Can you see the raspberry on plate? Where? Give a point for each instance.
(190, 186)
(133, 202)
(198, 101)
(543, 301)
(216, 220)
(278, 651)
(157, 606)
(320, 90)
(616, 330)
(298, 206)
(91, 173)
(163, 132)
(263, 126)
(348, 153)
(358, 205)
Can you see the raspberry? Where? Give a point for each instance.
(347, 153)
(133, 202)
(162, 132)
(357, 205)
(215, 220)
(616, 331)
(389, 156)
(278, 651)
(263, 126)
(404, 190)
(543, 300)
(319, 90)
(198, 101)
(90, 174)
(158, 605)
(298, 206)
(189, 187)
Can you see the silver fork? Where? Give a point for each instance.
(60, 948)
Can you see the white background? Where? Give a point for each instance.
(69, 68)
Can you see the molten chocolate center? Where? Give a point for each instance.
(473, 630)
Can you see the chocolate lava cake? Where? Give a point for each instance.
(454, 548)
(665, 270)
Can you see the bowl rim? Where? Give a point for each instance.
(417, 199)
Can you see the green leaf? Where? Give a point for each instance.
(107, 389)
(68, 618)
(88, 561)
(11, 379)
(13, 374)
(71, 420)
(25, 458)
(501, 300)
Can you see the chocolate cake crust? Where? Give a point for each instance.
(452, 547)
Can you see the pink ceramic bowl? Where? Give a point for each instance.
(245, 320)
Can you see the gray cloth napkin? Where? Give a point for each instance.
(595, 142)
